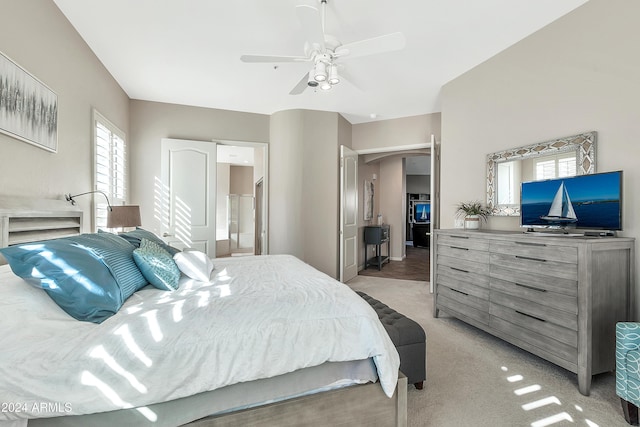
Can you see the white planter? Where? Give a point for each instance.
(472, 222)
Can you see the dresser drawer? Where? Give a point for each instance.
(466, 242)
(463, 265)
(536, 281)
(470, 283)
(462, 305)
(556, 332)
(535, 310)
(539, 251)
(541, 344)
(536, 294)
(460, 252)
(535, 266)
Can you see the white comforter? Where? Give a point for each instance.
(258, 317)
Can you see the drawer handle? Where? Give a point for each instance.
(530, 258)
(531, 244)
(458, 247)
(459, 269)
(531, 287)
(459, 237)
(528, 315)
(460, 292)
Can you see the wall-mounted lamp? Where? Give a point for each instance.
(69, 197)
(124, 216)
(117, 216)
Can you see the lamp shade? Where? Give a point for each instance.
(123, 216)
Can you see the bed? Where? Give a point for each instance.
(267, 340)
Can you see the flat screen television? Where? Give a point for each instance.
(585, 201)
(422, 212)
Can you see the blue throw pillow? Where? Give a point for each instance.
(117, 255)
(157, 265)
(76, 278)
(135, 236)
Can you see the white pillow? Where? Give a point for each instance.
(194, 264)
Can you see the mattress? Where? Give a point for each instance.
(258, 318)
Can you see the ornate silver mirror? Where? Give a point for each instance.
(573, 155)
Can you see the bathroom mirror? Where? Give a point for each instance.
(573, 155)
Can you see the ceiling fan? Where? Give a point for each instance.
(324, 50)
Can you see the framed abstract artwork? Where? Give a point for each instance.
(28, 108)
(368, 200)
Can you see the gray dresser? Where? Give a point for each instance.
(556, 297)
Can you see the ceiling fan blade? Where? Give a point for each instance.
(311, 22)
(301, 86)
(372, 46)
(273, 58)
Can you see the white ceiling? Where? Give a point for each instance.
(187, 52)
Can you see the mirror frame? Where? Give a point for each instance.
(583, 144)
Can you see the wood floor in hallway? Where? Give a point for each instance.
(414, 267)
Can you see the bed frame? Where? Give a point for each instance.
(27, 220)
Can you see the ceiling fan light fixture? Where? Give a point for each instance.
(334, 79)
(320, 73)
(311, 82)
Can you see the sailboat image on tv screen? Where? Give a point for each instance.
(561, 211)
(423, 216)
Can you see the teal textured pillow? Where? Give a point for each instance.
(135, 236)
(157, 265)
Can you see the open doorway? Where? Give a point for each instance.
(403, 199)
(240, 225)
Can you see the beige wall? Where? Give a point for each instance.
(39, 38)
(303, 212)
(286, 160)
(578, 74)
(241, 179)
(396, 132)
(320, 197)
(152, 121)
(393, 203)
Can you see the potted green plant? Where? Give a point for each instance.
(472, 212)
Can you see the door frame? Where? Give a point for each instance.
(434, 152)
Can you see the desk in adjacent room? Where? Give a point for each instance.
(376, 235)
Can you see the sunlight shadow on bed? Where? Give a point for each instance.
(89, 379)
(154, 326)
(100, 353)
(124, 332)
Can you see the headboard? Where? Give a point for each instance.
(28, 220)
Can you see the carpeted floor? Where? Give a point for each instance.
(475, 379)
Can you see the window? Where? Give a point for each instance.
(110, 167)
(557, 166)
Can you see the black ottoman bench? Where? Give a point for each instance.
(408, 337)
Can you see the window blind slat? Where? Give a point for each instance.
(110, 168)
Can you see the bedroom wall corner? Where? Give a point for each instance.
(39, 38)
